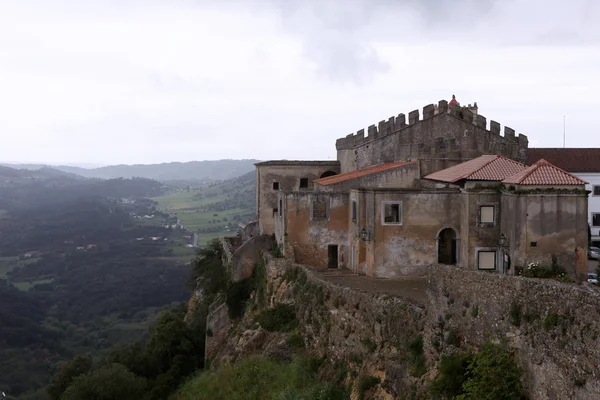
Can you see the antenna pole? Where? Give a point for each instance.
(564, 131)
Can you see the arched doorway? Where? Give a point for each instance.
(447, 248)
(328, 173)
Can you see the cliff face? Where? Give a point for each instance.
(554, 327)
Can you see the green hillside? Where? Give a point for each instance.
(214, 209)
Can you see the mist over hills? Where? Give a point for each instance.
(193, 170)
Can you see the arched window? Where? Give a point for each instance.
(328, 173)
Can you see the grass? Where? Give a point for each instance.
(8, 263)
(191, 214)
(25, 286)
(258, 378)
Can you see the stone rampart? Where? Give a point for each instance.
(555, 326)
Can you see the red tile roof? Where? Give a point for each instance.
(346, 176)
(483, 168)
(543, 173)
(569, 159)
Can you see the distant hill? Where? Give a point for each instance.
(193, 170)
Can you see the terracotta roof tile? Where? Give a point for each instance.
(569, 159)
(543, 173)
(346, 176)
(483, 168)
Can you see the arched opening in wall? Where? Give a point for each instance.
(328, 173)
(447, 248)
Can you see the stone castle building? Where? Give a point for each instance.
(441, 186)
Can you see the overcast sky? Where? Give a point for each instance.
(125, 81)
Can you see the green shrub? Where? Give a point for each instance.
(550, 321)
(112, 382)
(369, 344)
(365, 383)
(452, 375)
(238, 295)
(515, 313)
(281, 318)
(453, 339)
(417, 359)
(493, 374)
(295, 340)
(259, 378)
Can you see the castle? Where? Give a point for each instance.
(445, 187)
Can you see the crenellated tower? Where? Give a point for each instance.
(444, 135)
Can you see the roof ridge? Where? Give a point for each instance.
(543, 161)
(466, 175)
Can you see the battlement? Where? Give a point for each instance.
(397, 123)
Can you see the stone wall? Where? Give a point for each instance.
(557, 335)
(247, 255)
(250, 230)
(440, 140)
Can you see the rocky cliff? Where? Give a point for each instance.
(397, 343)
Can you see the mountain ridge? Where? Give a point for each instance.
(191, 170)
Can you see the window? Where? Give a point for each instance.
(274, 212)
(486, 259)
(354, 211)
(280, 207)
(319, 208)
(392, 212)
(303, 183)
(596, 190)
(595, 219)
(486, 214)
(275, 185)
(533, 244)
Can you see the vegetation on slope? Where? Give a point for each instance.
(149, 369)
(259, 378)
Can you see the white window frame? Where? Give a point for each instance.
(487, 224)
(400, 212)
(486, 250)
(594, 190)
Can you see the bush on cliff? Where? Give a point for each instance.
(490, 374)
(281, 318)
(259, 378)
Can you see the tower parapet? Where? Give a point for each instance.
(393, 125)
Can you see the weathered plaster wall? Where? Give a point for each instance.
(555, 223)
(440, 139)
(408, 248)
(474, 234)
(558, 334)
(402, 177)
(287, 174)
(310, 238)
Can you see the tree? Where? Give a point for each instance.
(69, 370)
(114, 382)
